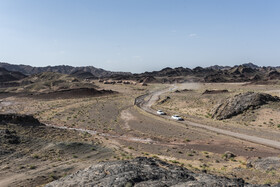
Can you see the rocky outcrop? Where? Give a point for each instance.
(241, 102)
(274, 75)
(8, 137)
(149, 79)
(265, 164)
(214, 91)
(228, 155)
(72, 93)
(141, 171)
(26, 120)
(164, 100)
(215, 77)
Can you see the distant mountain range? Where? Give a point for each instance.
(239, 73)
(90, 70)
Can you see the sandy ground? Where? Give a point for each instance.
(196, 107)
(146, 105)
(116, 123)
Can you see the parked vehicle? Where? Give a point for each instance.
(176, 117)
(159, 112)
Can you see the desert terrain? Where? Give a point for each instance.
(53, 125)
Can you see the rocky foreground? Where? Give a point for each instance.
(142, 171)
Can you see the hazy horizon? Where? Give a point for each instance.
(138, 36)
(138, 72)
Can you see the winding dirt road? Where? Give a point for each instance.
(154, 96)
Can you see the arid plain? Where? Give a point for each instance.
(55, 124)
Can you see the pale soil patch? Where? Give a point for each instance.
(267, 117)
(127, 116)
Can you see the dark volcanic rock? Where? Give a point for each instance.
(26, 120)
(241, 70)
(6, 76)
(149, 79)
(29, 70)
(72, 93)
(141, 172)
(216, 77)
(83, 74)
(228, 155)
(273, 75)
(257, 77)
(10, 137)
(250, 65)
(241, 102)
(214, 91)
(164, 100)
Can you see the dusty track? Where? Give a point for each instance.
(154, 96)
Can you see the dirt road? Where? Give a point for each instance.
(154, 96)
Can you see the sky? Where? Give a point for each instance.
(140, 35)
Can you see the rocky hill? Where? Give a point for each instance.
(6, 76)
(248, 72)
(83, 74)
(240, 103)
(141, 171)
(47, 82)
(30, 70)
(26, 120)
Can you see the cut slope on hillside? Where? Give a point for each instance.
(241, 102)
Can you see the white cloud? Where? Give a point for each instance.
(193, 35)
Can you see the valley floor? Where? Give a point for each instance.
(84, 131)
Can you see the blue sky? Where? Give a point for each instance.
(140, 35)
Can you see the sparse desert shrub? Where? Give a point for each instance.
(32, 167)
(267, 181)
(53, 176)
(36, 156)
(174, 161)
